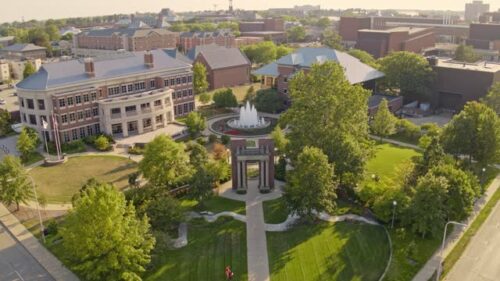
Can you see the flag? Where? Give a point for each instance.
(45, 125)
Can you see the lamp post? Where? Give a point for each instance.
(394, 204)
(482, 175)
(438, 275)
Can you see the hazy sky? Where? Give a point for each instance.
(11, 10)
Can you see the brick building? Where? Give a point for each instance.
(131, 95)
(457, 83)
(128, 39)
(23, 52)
(475, 9)
(349, 26)
(189, 40)
(381, 42)
(484, 36)
(226, 67)
(270, 28)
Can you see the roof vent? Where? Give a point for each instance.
(148, 59)
(89, 67)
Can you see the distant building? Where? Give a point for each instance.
(475, 9)
(7, 40)
(278, 73)
(169, 15)
(189, 40)
(270, 28)
(457, 83)
(484, 36)
(349, 27)
(226, 67)
(131, 95)
(246, 40)
(379, 43)
(307, 8)
(490, 17)
(128, 39)
(395, 103)
(23, 51)
(17, 67)
(4, 71)
(70, 30)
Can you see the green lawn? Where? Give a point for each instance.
(215, 204)
(59, 183)
(325, 251)
(387, 158)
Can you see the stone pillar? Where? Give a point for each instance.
(244, 174)
(125, 129)
(239, 174)
(140, 126)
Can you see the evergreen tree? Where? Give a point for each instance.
(384, 122)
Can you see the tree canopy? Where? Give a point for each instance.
(296, 33)
(225, 98)
(265, 52)
(104, 237)
(29, 69)
(384, 122)
(268, 100)
(332, 39)
(195, 123)
(364, 57)
(200, 83)
(15, 187)
(5, 121)
(466, 53)
(27, 142)
(492, 99)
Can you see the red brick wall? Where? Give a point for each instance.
(349, 26)
(420, 42)
(225, 77)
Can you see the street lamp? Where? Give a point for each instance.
(394, 203)
(438, 275)
(482, 175)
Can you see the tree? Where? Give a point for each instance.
(463, 189)
(384, 122)
(200, 83)
(364, 57)
(195, 123)
(5, 122)
(427, 209)
(474, 132)
(202, 184)
(219, 151)
(198, 155)
(466, 54)
(323, 22)
(225, 98)
(250, 95)
(204, 98)
(407, 74)
(165, 213)
(26, 144)
(492, 99)
(296, 33)
(268, 100)
(104, 237)
(433, 156)
(28, 69)
(101, 143)
(262, 52)
(283, 50)
(15, 187)
(329, 113)
(332, 39)
(280, 140)
(310, 185)
(165, 163)
(53, 32)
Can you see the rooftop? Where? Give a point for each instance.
(410, 30)
(22, 48)
(132, 32)
(64, 73)
(482, 66)
(219, 57)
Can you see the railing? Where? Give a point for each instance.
(146, 110)
(158, 107)
(252, 151)
(116, 115)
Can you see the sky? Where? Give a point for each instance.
(11, 10)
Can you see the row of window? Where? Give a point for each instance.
(82, 132)
(182, 94)
(178, 81)
(30, 104)
(80, 115)
(132, 108)
(130, 88)
(76, 100)
(182, 109)
(33, 120)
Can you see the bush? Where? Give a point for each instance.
(269, 101)
(408, 131)
(225, 139)
(280, 169)
(89, 140)
(71, 147)
(101, 143)
(201, 140)
(52, 227)
(225, 98)
(212, 138)
(136, 150)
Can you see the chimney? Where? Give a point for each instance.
(148, 59)
(89, 67)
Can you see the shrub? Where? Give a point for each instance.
(71, 147)
(225, 139)
(280, 169)
(212, 138)
(201, 140)
(269, 101)
(225, 98)
(408, 131)
(136, 150)
(102, 143)
(52, 227)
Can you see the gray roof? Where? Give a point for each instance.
(375, 99)
(355, 71)
(219, 57)
(176, 54)
(205, 34)
(22, 48)
(65, 73)
(131, 32)
(6, 38)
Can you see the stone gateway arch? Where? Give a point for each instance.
(259, 151)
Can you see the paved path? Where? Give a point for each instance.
(258, 265)
(33, 258)
(432, 264)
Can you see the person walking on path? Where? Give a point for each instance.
(229, 273)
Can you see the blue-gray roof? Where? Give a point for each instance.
(22, 48)
(176, 54)
(355, 71)
(219, 56)
(65, 73)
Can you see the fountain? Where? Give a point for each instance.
(248, 119)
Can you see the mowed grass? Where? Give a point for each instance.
(386, 160)
(59, 183)
(326, 251)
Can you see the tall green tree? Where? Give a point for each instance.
(15, 187)
(323, 22)
(198, 154)
(329, 113)
(204, 98)
(474, 132)
(283, 50)
(29, 69)
(332, 39)
(407, 74)
(280, 140)
(364, 57)
(296, 33)
(200, 83)
(195, 123)
(384, 122)
(5, 121)
(104, 238)
(165, 162)
(492, 99)
(262, 52)
(225, 98)
(53, 32)
(310, 185)
(26, 143)
(268, 100)
(164, 212)
(427, 211)
(466, 53)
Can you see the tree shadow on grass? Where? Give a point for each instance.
(121, 168)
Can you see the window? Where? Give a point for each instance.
(184, 80)
(41, 104)
(175, 110)
(157, 102)
(90, 130)
(31, 105)
(285, 91)
(113, 91)
(173, 95)
(32, 119)
(146, 123)
(190, 91)
(88, 113)
(74, 134)
(186, 108)
(285, 79)
(190, 79)
(72, 117)
(152, 84)
(116, 128)
(66, 137)
(97, 128)
(179, 94)
(159, 119)
(172, 81)
(179, 109)
(80, 115)
(184, 93)
(124, 89)
(166, 82)
(115, 110)
(93, 96)
(95, 111)
(21, 101)
(62, 103)
(78, 99)
(145, 105)
(130, 108)
(70, 101)
(42, 119)
(130, 88)
(64, 119)
(82, 132)
(191, 106)
(85, 98)
(24, 117)
(178, 80)
(139, 86)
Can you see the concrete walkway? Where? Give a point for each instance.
(432, 264)
(258, 264)
(35, 249)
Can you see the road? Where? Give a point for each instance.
(16, 264)
(481, 259)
